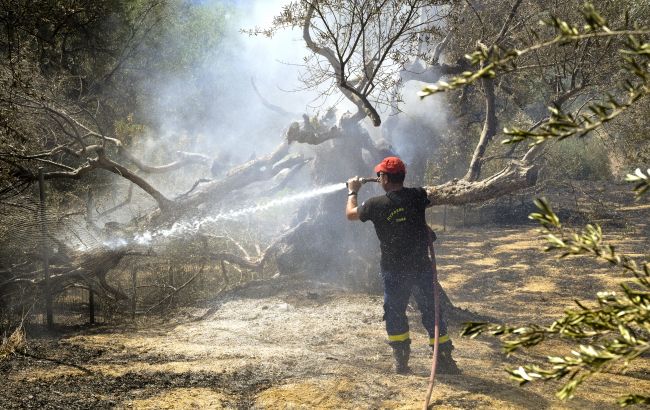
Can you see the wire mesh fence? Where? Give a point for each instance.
(75, 306)
(150, 285)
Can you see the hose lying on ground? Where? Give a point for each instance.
(436, 328)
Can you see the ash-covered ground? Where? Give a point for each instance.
(297, 343)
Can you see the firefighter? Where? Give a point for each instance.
(406, 268)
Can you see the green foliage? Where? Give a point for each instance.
(75, 72)
(495, 59)
(577, 159)
(612, 333)
(127, 130)
(641, 180)
(450, 157)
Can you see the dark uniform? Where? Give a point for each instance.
(398, 217)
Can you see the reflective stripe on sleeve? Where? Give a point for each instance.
(398, 338)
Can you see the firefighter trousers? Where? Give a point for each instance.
(398, 288)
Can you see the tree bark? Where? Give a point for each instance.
(515, 176)
(487, 133)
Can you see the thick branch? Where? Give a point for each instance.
(288, 177)
(74, 174)
(104, 162)
(488, 132)
(506, 24)
(517, 175)
(184, 158)
(255, 170)
(309, 135)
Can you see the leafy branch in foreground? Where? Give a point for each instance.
(642, 181)
(614, 332)
(493, 59)
(560, 125)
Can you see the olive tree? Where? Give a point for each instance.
(613, 331)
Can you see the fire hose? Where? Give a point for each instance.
(436, 327)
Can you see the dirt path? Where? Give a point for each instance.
(288, 343)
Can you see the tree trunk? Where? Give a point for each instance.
(327, 246)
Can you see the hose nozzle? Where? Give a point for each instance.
(364, 180)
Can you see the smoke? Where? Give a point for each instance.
(421, 124)
(209, 106)
(213, 101)
(213, 104)
(212, 108)
(199, 96)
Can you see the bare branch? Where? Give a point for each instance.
(439, 48)
(74, 174)
(127, 201)
(197, 183)
(178, 289)
(506, 24)
(185, 158)
(267, 104)
(360, 100)
(471, 5)
(255, 170)
(104, 162)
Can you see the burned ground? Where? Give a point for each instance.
(300, 343)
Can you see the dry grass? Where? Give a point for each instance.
(16, 341)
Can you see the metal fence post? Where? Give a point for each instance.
(46, 249)
(91, 305)
(172, 283)
(134, 283)
(444, 218)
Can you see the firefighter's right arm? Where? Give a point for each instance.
(351, 208)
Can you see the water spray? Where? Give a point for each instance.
(183, 228)
(191, 227)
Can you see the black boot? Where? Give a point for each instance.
(445, 363)
(401, 353)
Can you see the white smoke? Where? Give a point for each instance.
(211, 108)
